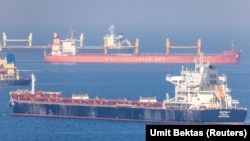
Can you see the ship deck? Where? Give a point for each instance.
(55, 98)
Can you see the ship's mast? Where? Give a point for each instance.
(201, 59)
(111, 29)
(71, 33)
(200, 63)
(33, 79)
(233, 45)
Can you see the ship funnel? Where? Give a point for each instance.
(33, 79)
(10, 58)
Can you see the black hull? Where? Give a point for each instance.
(23, 50)
(24, 82)
(128, 113)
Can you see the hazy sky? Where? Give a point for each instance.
(232, 13)
(144, 15)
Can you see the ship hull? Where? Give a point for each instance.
(224, 58)
(221, 116)
(23, 49)
(24, 82)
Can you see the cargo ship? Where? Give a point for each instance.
(115, 44)
(23, 45)
(66, 51)
(9, 74)
(201, 96)
(21, 49)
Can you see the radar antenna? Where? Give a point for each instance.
(111, 29)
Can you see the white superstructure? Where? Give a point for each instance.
(67, 46)
(201, 88)
(115, 41)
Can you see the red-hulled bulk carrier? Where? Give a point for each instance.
(116, 49)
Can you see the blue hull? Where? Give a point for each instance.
(24, 50)
(24, 82)
(128, 113)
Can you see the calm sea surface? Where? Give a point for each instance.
(114, 81)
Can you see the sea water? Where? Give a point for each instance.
(111, 81)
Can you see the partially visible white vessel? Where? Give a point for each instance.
(204, 89)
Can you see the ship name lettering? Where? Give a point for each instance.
(186, 132)
(224, 114)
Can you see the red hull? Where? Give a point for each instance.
(223, 58)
